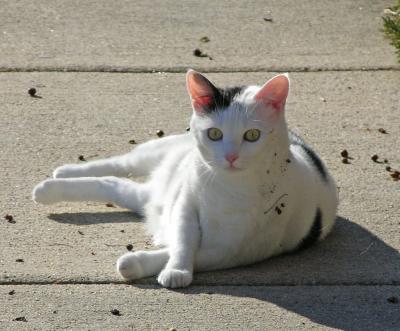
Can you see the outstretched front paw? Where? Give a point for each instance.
(46, 192)
(174, 278)
(128, 265)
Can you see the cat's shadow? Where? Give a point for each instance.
(89, 218)
(337, 283)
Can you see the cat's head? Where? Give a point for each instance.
(237, 127)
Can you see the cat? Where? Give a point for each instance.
(238, 188)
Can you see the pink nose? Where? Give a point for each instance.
(231, 158)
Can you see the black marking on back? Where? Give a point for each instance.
(314, 233)
(223, 97)
(317, 163)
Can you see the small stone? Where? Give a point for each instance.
(32, 91)
(374, 157)
(395, 175)
(81, 158)
(159, 133)
(110, 205)
(115, 312)
(19, 260)
(129, 247)
(344, 153)
(382, 130)
(10, 219)
(132, 141)
(12, 292)
(21, 319)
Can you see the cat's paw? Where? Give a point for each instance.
(46, 192)
(128, 265)
(67, 171)
(175, 278)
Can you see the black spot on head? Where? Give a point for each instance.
(223, 97)
(313, 157)
(314, 233)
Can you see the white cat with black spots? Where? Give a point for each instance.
(237, 189)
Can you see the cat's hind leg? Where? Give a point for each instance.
(120, 191)
(139, 162)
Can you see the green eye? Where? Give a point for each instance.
(214, 134)
(252, 135)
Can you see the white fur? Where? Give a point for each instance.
(205, 215)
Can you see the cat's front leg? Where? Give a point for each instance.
(184, 242)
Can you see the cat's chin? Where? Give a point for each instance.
(233, 169)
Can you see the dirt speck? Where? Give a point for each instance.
(129, 247)
(10, 219)
(19, 260)
(393, 299)
(21, 319)
(81, 158)
(116, 312)
(110, 205)
(132, 141)
(159, 133)
(375, 158)
(382, 130)
(205, 39)
(12, 292)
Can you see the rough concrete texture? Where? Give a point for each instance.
(136, 36)
(80, 307)
(350, 281)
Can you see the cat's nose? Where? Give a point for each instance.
(231, 158)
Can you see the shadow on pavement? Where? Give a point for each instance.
(96, 218)
(349, 256)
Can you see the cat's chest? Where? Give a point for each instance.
(231, 216)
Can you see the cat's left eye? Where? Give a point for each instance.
(252, 135)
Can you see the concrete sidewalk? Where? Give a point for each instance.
(345, 87)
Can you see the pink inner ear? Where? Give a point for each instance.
(200, 90)
(274, 92)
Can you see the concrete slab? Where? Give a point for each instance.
(80, 307)
(95, 115)
(133, 36)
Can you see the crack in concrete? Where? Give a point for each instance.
(150, 283)
(183, 69)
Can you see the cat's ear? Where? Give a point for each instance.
(202, 92)
(273, 94)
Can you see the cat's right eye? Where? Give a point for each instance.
(214, 134)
